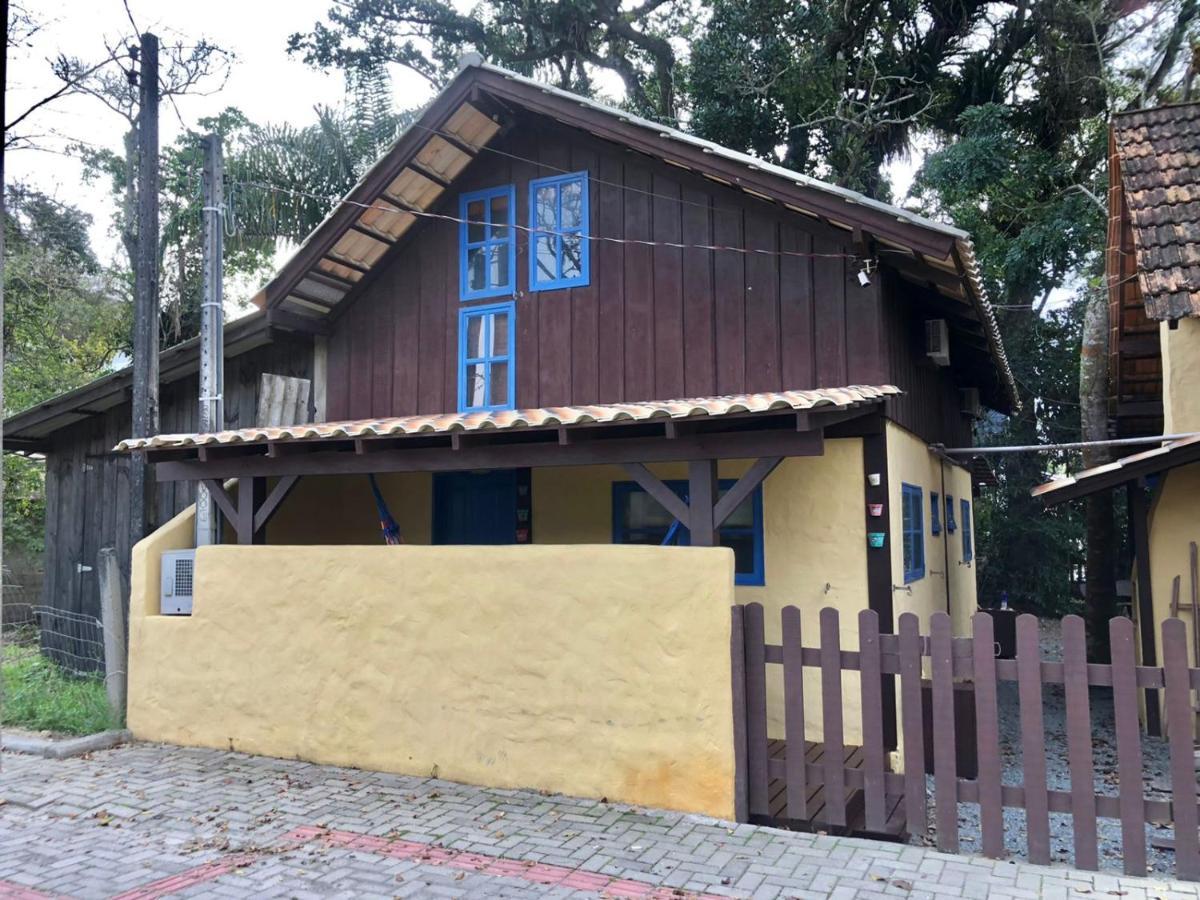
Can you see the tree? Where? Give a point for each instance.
(565, 41)
(63, 325)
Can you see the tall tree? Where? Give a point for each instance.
(565, 41)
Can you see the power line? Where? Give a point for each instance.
(1053, 448)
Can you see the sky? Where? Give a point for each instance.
(264, 82)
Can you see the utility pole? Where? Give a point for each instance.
(212, 337)
(145, 292)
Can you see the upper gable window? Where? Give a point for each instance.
(558, 248)
(487, 246)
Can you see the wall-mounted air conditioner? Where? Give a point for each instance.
(969, 402)
(937, 341)
(178, 567)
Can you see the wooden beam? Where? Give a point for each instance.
(653, 485)
(371, 233)
(216, 490)
(282, 318)
(601, 451)
(427, 173)
(251, 493)
(1139, 515)
(270, 505)
(744, 487)
(879, 563)
(348, 263)
(702, 501)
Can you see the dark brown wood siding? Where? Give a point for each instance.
(931, 405)
(87, 485)
(655, 322)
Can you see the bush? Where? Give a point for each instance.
(41, 696)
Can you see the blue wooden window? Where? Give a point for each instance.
(558, 247)
(913, 523)
(487, 244)
(640, 519)
(968, 549)
(486, 357)
(935, 513)
(951, 525)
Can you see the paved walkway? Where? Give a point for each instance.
(150, 821)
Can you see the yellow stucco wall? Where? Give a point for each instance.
(910, 461)
(340, 509)
(1174, 524)
(1181, 376)
(597, 671)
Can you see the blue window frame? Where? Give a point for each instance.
(913, 524)
(640, 519)
(486, 357)
(968, 549)
(951, 525)
(935, 513)
(559, 251)
(487, 244)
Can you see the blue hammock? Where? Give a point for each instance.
(391, 531)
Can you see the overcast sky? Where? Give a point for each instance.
(265, 83)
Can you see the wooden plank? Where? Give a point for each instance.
(1180, 729)
(872, 720)
(944, 763)
(1033, 739)
(221, 497)
(1129, 746)
(796, 309)
(987, 731)
(793, 721)
(406, 313)
(271, 503)
(608, 273)
(1079, 743)
(699, 308)
(737, 652)
(879, 564)
(639, 287)
(251, 493)
(667, 288)
(829, 292)
(756, 708)
(431, 349)
(762, 303)
(653, 485)
(729, 273)
(702, 500)
(913, 746)
(831, 717)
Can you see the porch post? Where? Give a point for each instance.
(252, 492)
(1139, 515)
(879, 563)
(702, 501)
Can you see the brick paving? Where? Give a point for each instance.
(149, 821)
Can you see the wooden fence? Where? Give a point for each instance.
(766, 769)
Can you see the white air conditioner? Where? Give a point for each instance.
(178, 567)
(969, 402)
(937, 341)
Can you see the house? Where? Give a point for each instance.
(1152, 267)
(87, 484)
(552, 327)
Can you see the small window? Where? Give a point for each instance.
(951, 525)
(558, 246)
(486, 364)
(487, 246)
(913, 523)
(935, 513)
(640, 519)
(968, 549)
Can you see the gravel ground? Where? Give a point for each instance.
(1156, 768)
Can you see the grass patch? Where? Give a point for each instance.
(40, 696)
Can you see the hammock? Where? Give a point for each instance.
(391, 531)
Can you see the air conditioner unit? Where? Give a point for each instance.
(969, 402)
(178, 567)
(937, 341)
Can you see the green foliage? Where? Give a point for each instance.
(40, 696)
(562, 40)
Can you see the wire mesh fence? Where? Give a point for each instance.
(51, 666)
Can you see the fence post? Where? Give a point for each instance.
(112, 613)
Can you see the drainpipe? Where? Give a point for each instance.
(945, 533)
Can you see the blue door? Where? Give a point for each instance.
(475, 507)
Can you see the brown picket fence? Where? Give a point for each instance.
(834, 786)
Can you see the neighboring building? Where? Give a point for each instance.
(1153, 273)
(87, 484)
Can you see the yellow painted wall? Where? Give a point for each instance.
(814, 548)
(909, 460)
(1174, 524)
(1181, 376)
(340, 509)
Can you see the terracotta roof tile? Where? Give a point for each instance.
(550, 416)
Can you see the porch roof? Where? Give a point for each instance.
(543, 417)
(1130, 468)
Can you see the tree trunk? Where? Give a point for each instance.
(1100, 589)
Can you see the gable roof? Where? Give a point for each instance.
(343, 254)
(1159, 153)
